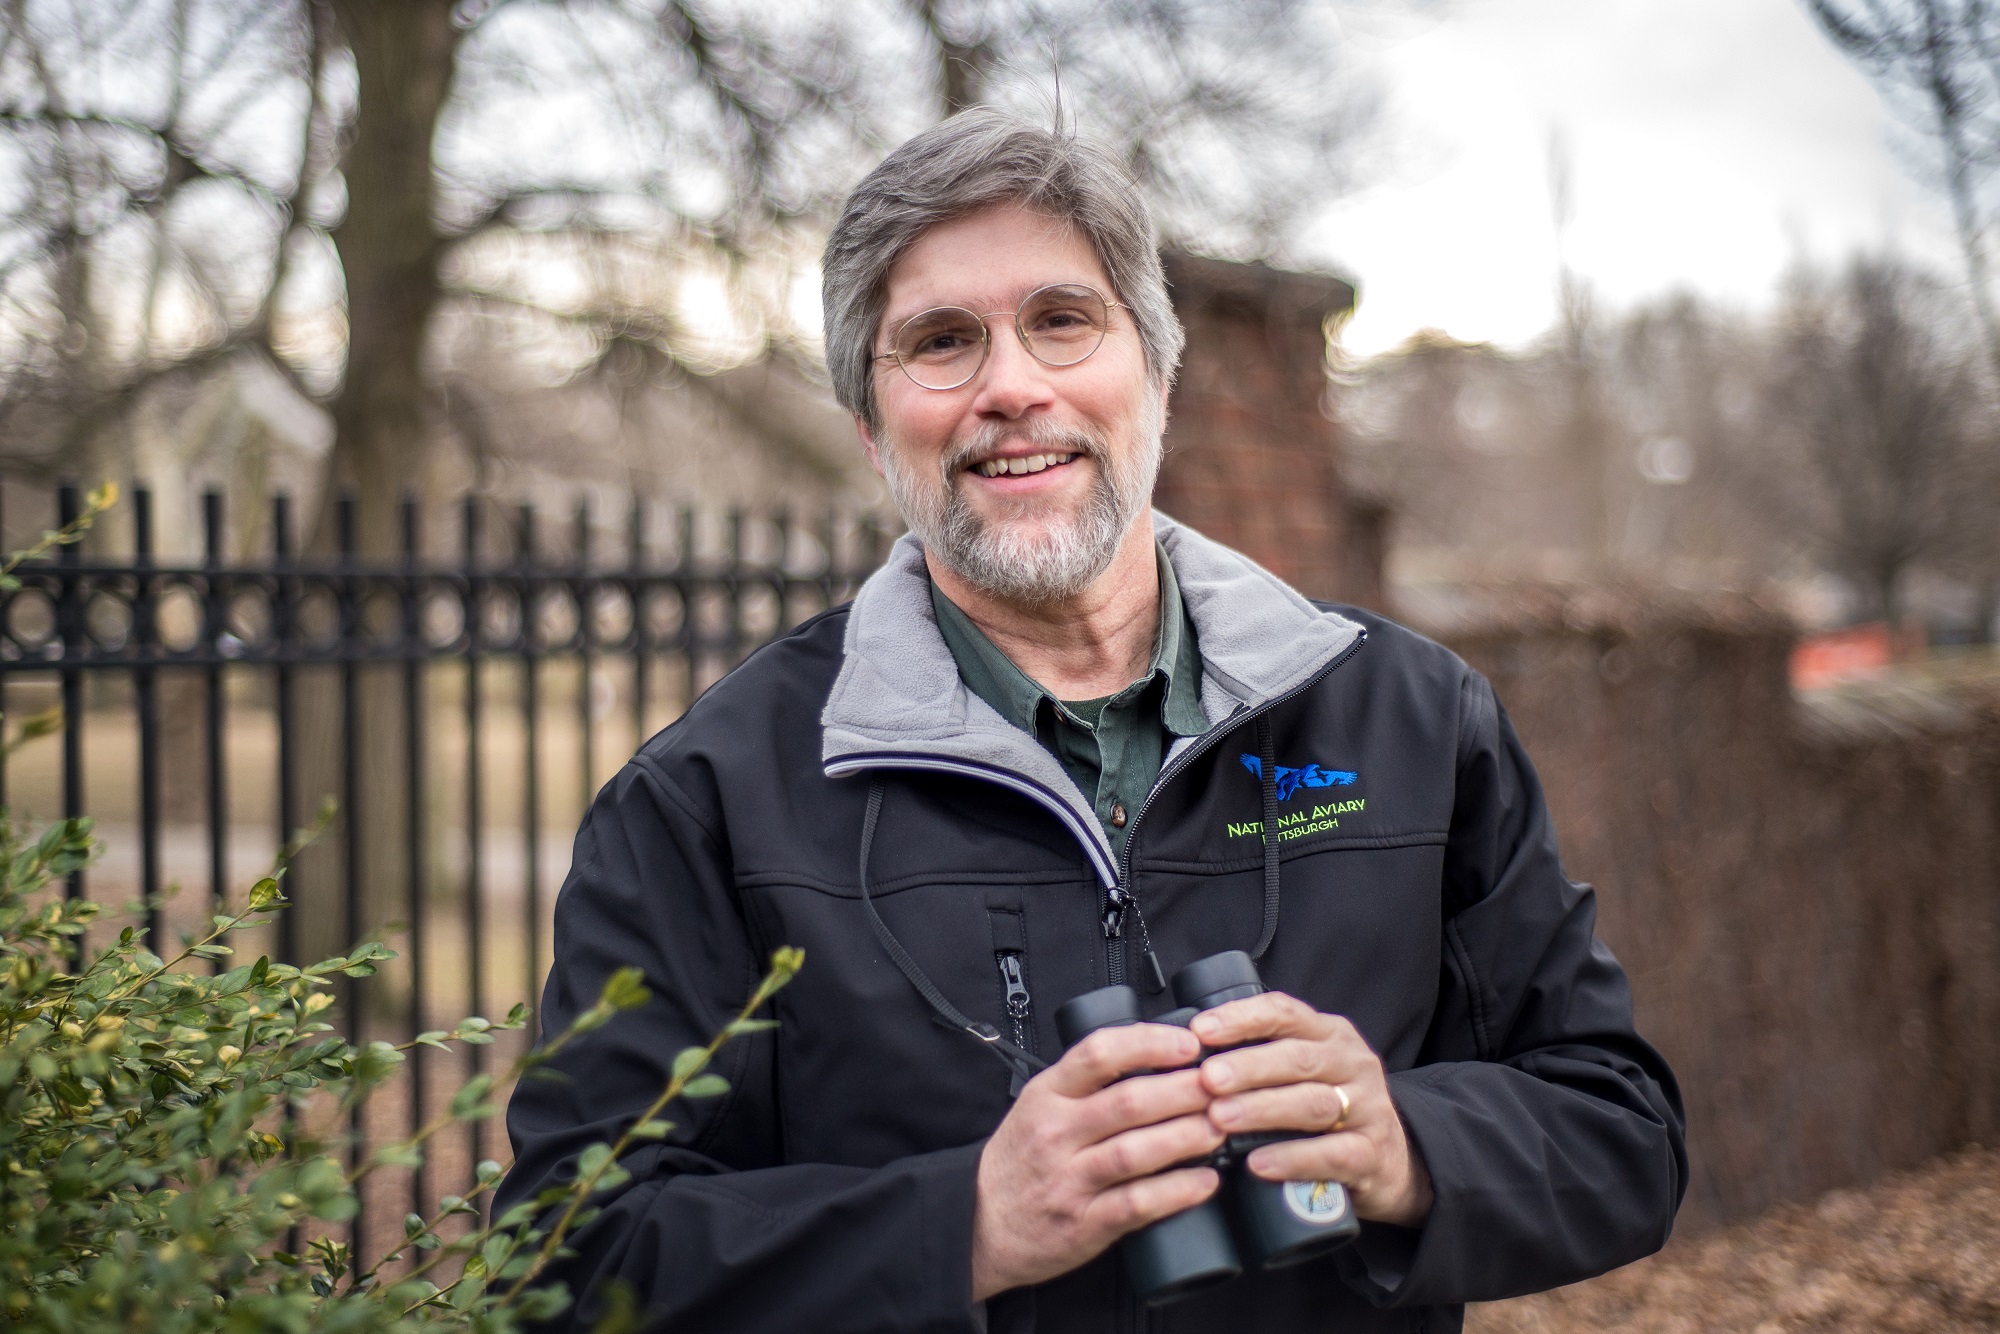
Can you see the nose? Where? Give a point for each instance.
(1012, 383)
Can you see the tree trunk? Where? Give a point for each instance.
(962, 65)
(388, 247)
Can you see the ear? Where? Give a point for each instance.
(868, 445)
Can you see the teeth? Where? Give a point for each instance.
(1020, 466)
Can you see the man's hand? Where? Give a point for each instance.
(1293, 1080)
(1079, 1160)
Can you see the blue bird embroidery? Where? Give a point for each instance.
(1291, 780)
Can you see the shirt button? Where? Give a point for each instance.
(1117, 815)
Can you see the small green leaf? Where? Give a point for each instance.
(625, 989)
(398, 1155)
(593, 1161)
(746, 1026)
(523, 1212)
(705, 1086)
(651, 1129)
(469, 1097)
(690, 1060)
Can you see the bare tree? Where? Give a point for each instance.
(369, 142)
(1878, 396)
(155, 214)
(1937, 63)
(1585, 428)
(1689, 387)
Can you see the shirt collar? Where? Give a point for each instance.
(1018, 698)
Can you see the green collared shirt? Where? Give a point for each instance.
(1113, 747)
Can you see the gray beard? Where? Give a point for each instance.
(1009, 561)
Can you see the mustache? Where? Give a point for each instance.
(988, 439)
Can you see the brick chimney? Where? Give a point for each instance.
(1253, 458)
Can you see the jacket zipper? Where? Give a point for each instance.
(1019, 1007)
(1019, 1004)
(1118, 899)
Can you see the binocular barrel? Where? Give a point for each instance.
(1184, 1252)
(1266, 1224)
(1278, 1223)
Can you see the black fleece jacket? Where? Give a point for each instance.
(832, 1188)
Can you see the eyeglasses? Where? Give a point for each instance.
(944, 348)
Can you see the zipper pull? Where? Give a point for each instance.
(1115, 902)
(1018, 1003)
(1018, 1000)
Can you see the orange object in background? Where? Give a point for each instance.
(1857, 652)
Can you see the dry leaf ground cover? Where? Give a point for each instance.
(1917, 1252)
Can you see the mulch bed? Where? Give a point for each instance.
(1919, 1251)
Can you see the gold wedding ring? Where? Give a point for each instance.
(1346, 1106)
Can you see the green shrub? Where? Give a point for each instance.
(150, 1174)
(155, 1156)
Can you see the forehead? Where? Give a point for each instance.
(989, 260)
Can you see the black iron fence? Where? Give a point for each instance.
(460, 712)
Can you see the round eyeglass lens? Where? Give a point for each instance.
(1063, 324)
(942, 348)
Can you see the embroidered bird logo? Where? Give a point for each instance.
(1290, 780)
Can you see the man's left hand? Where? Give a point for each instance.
(1292, 1079)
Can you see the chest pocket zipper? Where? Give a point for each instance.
(1017, 1004)
(1020, 1005)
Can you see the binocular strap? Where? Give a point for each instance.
(1023, 1064)
(1268, 752)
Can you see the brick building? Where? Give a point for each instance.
(1253, 452)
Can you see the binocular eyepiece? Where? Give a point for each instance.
(1248, 1222)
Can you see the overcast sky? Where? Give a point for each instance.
(1709, 141)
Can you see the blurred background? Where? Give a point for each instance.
(1645, 353)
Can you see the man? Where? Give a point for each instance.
(1057, 742)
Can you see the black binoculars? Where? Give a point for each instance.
(1249, 1222)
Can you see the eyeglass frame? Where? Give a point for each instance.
(986, 336)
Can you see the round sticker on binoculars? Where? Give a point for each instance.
(1316, 1201)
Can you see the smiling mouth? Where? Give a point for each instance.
(1019, 467)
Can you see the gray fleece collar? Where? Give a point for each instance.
(899, 701)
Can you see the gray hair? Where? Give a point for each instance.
(980, 157)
